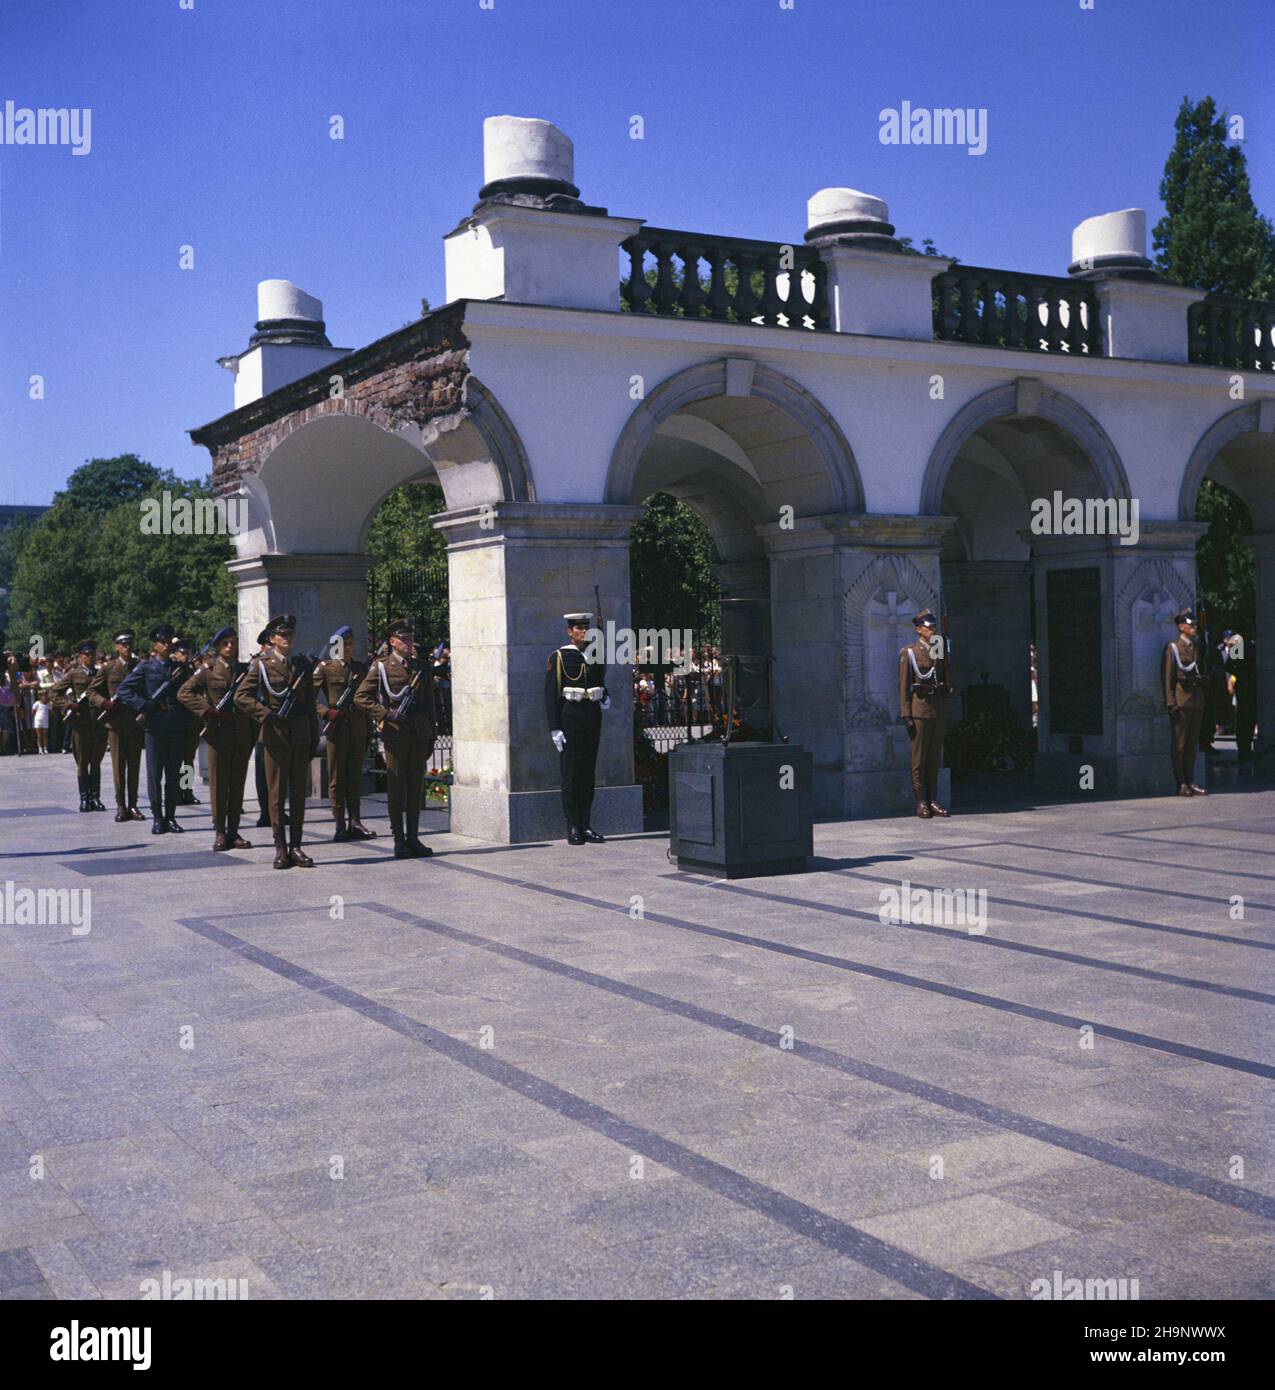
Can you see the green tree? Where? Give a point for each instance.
(1212, 236)
(100, 484)
(672, 576)
(410, 569)
(1227, 567)
(87, 567)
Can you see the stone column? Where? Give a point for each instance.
(844, 589)
(323, 591)
(1140, 588)
(1263, 547)
(989, 610)
(514, 569)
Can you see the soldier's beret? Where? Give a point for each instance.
(1187, 615)
(284, 622)
(925, 619)
(163, 633)
(572, 618)
(342, 634)
(221, 635)
(88, 646)
(125, 636)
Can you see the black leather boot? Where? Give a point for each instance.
(401, 850)
(415, 848)
(341, 833)
(83, 783)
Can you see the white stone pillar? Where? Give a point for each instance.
(873, 286)
(323, 591)
(514, 569)
(844, 590)
(1142, 316)
(1263, 547)
(530, 240)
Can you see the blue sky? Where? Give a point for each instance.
(210, 128)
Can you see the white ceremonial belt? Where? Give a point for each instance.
(574, 693)
(596, 692)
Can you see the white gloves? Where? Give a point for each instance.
(559, 739)
(606, 702)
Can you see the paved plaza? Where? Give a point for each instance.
(549, 1072)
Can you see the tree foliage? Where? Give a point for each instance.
(672, 559)
(1212, 236)
(87, 567)
(1227, 566)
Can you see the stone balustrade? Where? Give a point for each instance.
(1007, 309)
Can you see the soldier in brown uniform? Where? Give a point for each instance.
(1185, 695)
(70, 695)
(229, 734)
(408, 739)
(923, 708)
(278, 693)
(123, 735)
(190, 748)
(348, 729)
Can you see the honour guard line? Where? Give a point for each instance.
(280, 701)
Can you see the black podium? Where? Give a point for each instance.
(740, 810)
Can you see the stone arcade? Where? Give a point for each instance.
(861, 429)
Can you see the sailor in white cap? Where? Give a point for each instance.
(575, 696)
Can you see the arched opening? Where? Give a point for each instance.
(1026, 583)
(745, 450)
(1229, 484)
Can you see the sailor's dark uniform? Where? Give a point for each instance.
(575, 693)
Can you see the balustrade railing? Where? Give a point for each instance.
(1237, 333)
(1006, 308)
(692, 275)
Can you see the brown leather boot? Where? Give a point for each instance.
(282, 860)
(340, 834)
(936, 809)
(359, 831)
(220, 842)
(1197, 791)
(1184, 790)
(234, 839)
(300, 858)
(922, 810)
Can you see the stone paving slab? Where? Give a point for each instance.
(480, 1073)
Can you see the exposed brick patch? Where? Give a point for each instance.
(410, 377)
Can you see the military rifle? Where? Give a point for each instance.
(337, 712)
(177, 678)
(303, 666)
(222, 707)
(947, 647)
(111, 703)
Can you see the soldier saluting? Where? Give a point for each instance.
(70, 694)
(229, 734)
(278, 693)
(399, 691)
(923, 696)
(124, 738)
(1185, 695)
(575, 696)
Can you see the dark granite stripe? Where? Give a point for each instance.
(896, 977)
(1101, 1151)
(1001, 943)
(839, 1236)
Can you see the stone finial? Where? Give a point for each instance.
(845, 213)
(522, 154)
(286, 314)
(1111, 241)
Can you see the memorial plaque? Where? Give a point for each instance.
(1073, 607)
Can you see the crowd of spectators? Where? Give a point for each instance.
(28, 723)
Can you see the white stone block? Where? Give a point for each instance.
(844, 205)
(519, 147)
(1121, 233)
(281, 299)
